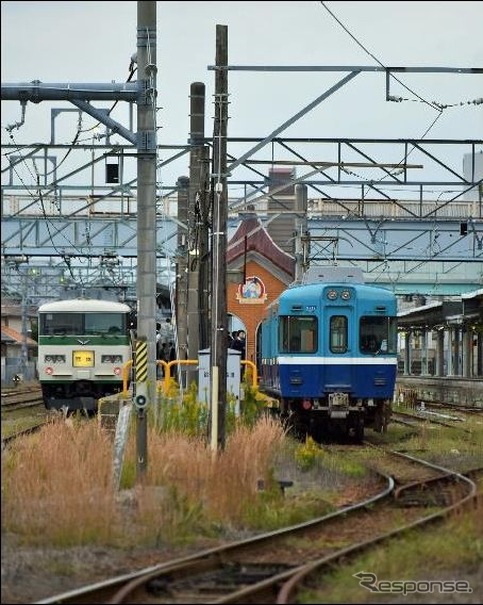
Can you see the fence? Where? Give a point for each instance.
(11, 367)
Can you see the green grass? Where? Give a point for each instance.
(450, 551)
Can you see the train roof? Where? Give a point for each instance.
(333, 273)
(88, 305)
(314, 290)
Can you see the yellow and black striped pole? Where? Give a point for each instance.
(141, 361)
(141, 402)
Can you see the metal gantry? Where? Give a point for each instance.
(406, 210)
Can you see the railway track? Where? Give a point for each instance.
(21, 398)
(270, 567)
(7, 440)
(23, 413)
(413, 419)
(306, 574)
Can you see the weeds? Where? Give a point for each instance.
(58, 487)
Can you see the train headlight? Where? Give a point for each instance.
(49, 371)
(111, 358)
(117, 371)
(345, 295)
(54, 358)
(332, 294)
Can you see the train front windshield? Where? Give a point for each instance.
(378, 334)
(59, 324)
(298, 334)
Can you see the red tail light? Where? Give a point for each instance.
(306, 404)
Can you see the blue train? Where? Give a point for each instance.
(329, 354)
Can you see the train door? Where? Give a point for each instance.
(337, 350)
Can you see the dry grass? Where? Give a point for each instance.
(217, 480)
(59, 483)
(58, 488)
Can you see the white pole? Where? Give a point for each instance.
(214, 408)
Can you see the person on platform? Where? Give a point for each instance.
(239, 344)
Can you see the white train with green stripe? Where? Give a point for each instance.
(84, 345)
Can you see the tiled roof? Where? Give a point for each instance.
(11, 336)
(14, 309)
(257, 240)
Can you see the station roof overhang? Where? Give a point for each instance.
(473, 306)
(467, 310)
(431, 316)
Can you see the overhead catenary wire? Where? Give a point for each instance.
(359, 43)
(436, 107)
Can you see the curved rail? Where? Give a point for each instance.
(287, 593)
(252, 570)
(119, 588)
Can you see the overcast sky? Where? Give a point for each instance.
(93, 42)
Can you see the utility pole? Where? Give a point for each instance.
(182, 269)
(219, 320)
(23, 361)
(300, 227)
(143, 93)
(198, 308)
(146, 225)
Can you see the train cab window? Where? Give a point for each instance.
(377, 335)
(338, 334)
(104, 323)
(59, 324)
(298, 334)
